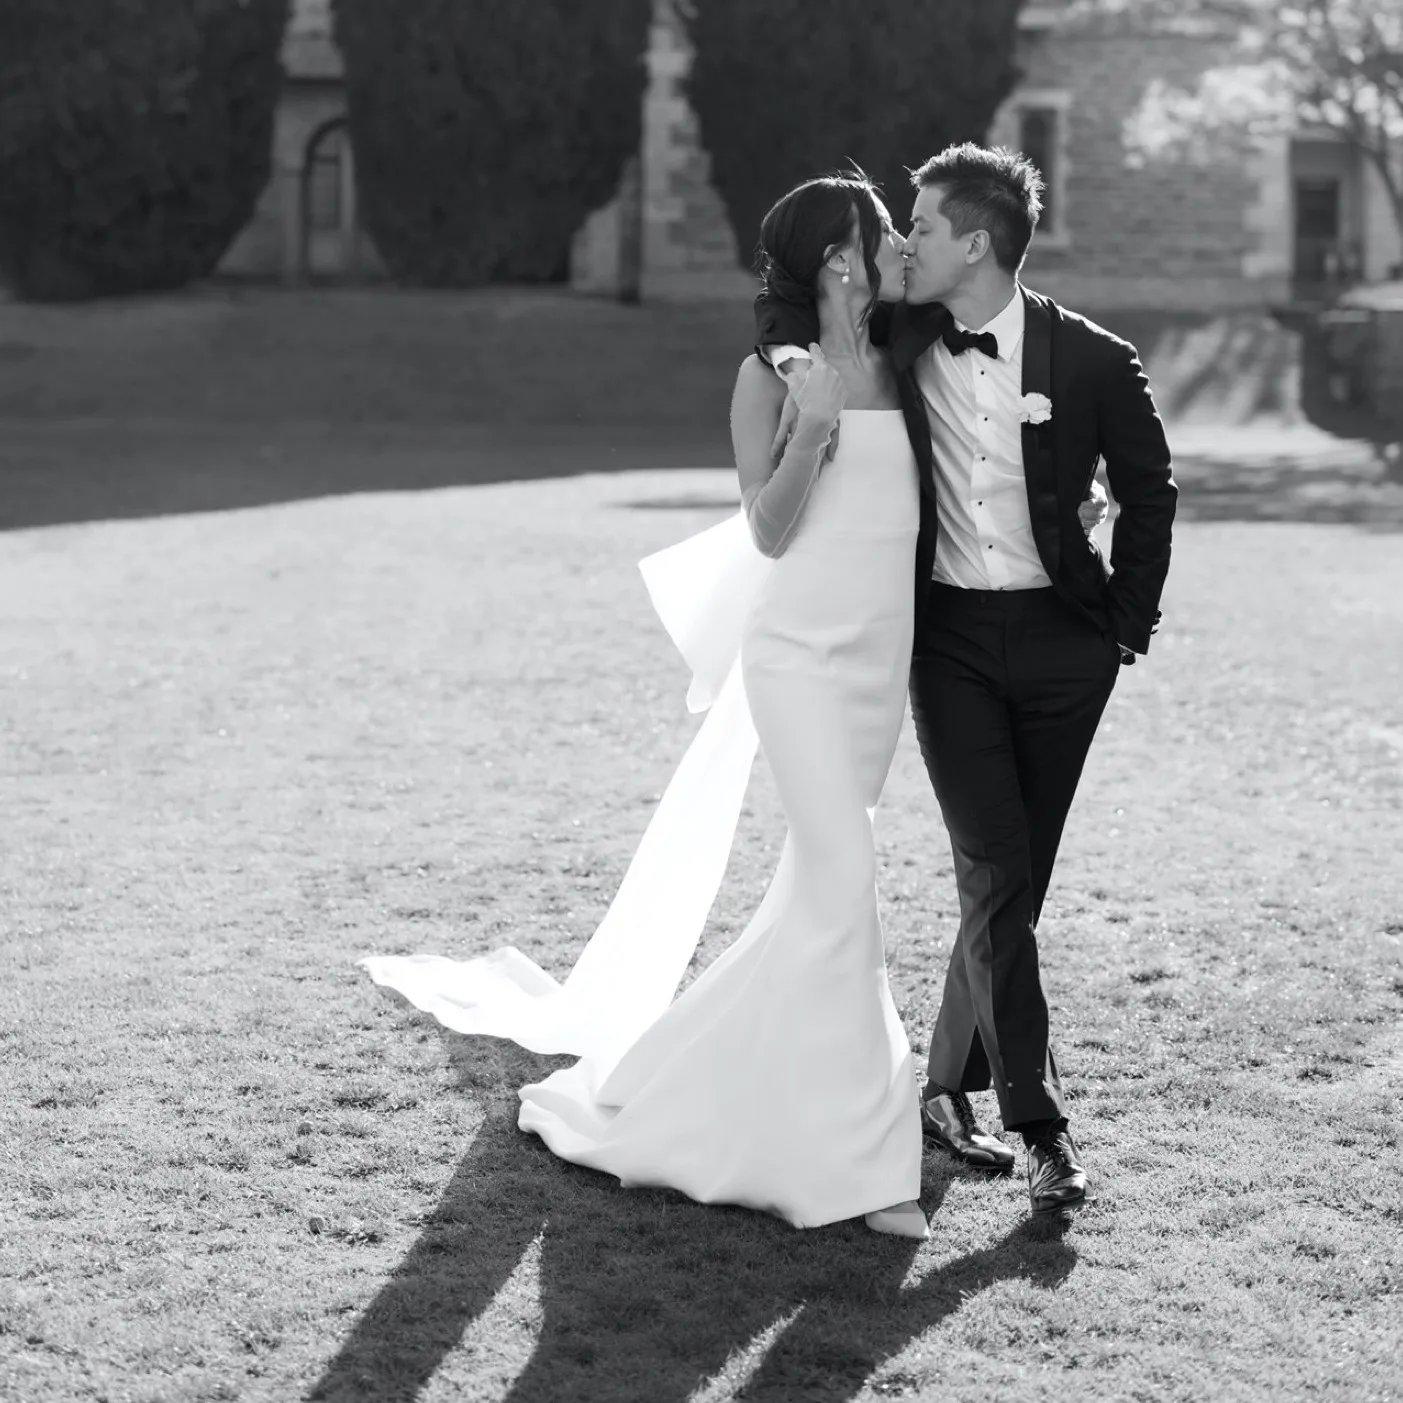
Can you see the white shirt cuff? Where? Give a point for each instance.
(777, 355)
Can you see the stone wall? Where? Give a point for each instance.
(1383, 240)
(687, 245)
(1165, 234)
(687, 239)
(271, 245)
(1168, 235)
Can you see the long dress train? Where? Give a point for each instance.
(781, 1078)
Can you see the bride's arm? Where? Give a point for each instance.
(774, 494)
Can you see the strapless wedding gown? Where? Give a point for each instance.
(781, 1079)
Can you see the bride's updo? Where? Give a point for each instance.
(802, 227)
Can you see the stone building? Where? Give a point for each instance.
(1293, 214)
(306, 225)
(1296, 215)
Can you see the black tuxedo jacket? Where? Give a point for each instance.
(1101, 408)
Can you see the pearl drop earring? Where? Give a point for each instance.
(845, 275)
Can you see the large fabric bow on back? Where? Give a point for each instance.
(626, 976)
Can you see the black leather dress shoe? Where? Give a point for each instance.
(948, 1120)
(1055, 1179)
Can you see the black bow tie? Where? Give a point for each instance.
(958, 342)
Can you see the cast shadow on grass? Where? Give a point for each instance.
(645, 1295)
(1358, 495)
(54, 475)
(62, 474)
(1364, 494)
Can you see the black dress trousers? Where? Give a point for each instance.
(1007, 689)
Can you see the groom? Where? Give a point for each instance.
(1023, 629)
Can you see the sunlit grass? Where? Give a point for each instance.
(242, 749)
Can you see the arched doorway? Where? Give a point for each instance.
(329, 236)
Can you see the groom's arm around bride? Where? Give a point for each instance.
(1096, 405)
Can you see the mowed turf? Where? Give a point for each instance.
(242, 749)
(259, 720)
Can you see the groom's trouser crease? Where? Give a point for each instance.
(1007, 689)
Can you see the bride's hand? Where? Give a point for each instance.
(793, 372)
(824, 393)
(820, 399)
(822, 404)
(1093, 511)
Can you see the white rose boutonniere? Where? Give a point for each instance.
(1034, 409)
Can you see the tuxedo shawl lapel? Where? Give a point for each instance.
(914, 328)
(1039, 460)
(913, 410)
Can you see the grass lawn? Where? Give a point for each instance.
(261, 722)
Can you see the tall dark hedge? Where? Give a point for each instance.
(786, 89)
(486, 130)
(135, 138)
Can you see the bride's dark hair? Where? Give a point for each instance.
(801, 228)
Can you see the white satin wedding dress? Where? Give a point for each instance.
(781, 1079)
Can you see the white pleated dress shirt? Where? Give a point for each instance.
(972, 402)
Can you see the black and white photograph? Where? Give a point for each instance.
(701, 701)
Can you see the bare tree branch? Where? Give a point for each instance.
(1288, 64)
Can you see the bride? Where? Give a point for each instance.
(782, 1078)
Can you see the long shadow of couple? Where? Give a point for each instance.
(561, 1285)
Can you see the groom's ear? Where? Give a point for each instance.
(979, 245)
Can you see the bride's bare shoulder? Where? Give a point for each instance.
(757, 383)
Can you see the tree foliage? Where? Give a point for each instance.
(135, 138)
(789, 88)
(485, 132)
(1293, 65)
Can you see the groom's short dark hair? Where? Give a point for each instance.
(989, 188)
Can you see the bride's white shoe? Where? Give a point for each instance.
(901, 1220)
